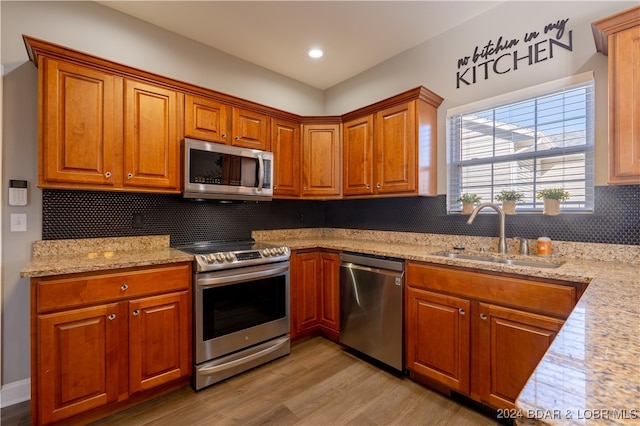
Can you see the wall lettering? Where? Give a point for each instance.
(505, 55)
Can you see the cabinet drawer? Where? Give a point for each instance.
(54, 293)
(541, 297)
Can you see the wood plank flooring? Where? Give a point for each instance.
(319, 383)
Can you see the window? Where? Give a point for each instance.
(527, 141)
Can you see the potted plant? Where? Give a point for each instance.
(468, 202)
(552, 198)
(509, 199)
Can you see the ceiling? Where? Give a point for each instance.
(276, 35)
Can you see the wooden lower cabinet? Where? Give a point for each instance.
(463, 334)
(330, 293)
(78, 363)
(437, 337)
(315, 293)
(158, 337)
(510, 345)
(115, 344)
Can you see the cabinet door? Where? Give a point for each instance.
(285, 140)
(305, 286)
(77, 362)
(510, 345)
(206, 119)
(79, 136)
(321, 160)
(624, 104)
(151, 140)
(330, 291)
(358, 156)
(250, 130)
(437, 337)
(159, 340)
(395, 149)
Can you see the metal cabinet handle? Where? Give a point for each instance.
(461, 311)
(224, 135)
(378, 185)
(107, 175)
(129, 175)
(112, 317)
(237, 138)
(124, 286)
(136, 312)
(368, 186)
(304, 189)
(483, 316)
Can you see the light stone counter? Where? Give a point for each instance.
(591, 372)
(57, 257)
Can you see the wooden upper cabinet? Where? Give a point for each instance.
(250, 129)
(211, 120)
(358, 156)
(396, 149)
(151, 141)
(391, 150)
(285, 141)
(321, 161)
(79, 138)
(206, 119)
(619, 37)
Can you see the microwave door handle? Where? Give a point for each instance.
(260, 172)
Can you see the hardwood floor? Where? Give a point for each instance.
(319, 383)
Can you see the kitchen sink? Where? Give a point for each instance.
(513, 262)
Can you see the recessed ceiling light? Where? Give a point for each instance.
(316, 53)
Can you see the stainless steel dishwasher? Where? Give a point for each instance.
(371, 290)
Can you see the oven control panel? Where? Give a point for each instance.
(234, 259)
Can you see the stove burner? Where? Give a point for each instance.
(216, 255)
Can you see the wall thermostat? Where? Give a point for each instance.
(17, 192)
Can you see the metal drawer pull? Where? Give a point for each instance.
(124, 286)
(483, 316)
(112, 317)
(107, 175)
(136, 312)
(129, 176)
(461, 311)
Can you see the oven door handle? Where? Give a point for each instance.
(204, 371)
(238, 276)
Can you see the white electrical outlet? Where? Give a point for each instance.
(18, 222)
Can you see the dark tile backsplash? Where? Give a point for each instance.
(87, 214)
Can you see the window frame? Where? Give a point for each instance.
(534, 92)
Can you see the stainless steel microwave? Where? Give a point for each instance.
(224, 172)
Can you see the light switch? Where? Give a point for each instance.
(18, 222)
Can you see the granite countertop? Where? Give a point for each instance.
(591, 372)
(57, 257)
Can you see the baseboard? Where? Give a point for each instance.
(15, 392)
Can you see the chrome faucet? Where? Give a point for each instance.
(502, 245)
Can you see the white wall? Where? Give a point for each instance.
(101, 31)
(433, 64)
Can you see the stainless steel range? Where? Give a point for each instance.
(241, 307)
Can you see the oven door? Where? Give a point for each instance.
(238, 308)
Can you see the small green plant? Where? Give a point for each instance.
(469, 198)
(553, 194)
(508, 195)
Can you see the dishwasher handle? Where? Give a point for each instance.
(373, 262)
